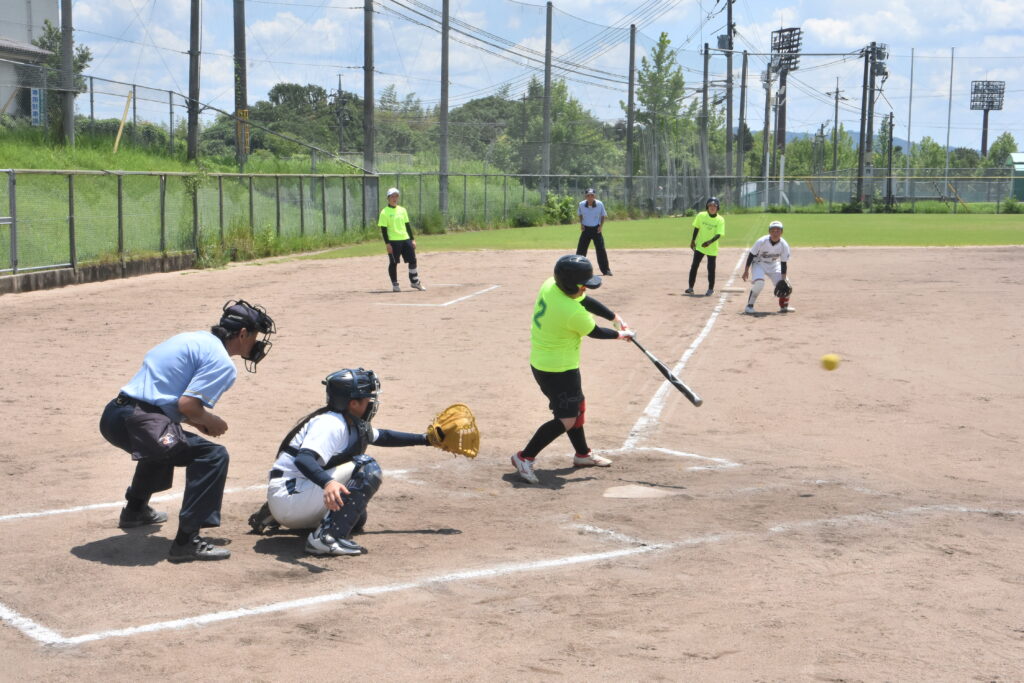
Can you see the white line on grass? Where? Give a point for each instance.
(447, 303)
(49, 637)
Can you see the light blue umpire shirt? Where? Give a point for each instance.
(188, 364)
(592, 215)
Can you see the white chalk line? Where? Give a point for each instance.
(47, 636)
(447, 303)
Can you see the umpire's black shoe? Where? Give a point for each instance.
(147, 515)
(196, 549)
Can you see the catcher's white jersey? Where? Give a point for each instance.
(325, 435)
(767, 254)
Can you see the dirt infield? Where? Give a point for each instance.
(862, 524)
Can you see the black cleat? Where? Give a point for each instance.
(196, 549)
(147, 515)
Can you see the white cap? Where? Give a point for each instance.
(391, 191)
(775, 224)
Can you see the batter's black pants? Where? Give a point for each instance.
(588, 234)
(697, 256)
(205, 463)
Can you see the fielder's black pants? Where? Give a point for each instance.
(697, 257)
(402, 249)
(588, 234)
(205, 463)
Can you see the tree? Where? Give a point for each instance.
(928, 154)
(659, 94)
(999, 151)
(51, 40)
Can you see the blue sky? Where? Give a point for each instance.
(313, 41)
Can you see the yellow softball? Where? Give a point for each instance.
(830, 361)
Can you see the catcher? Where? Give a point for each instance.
(323, 479)
(769, 256)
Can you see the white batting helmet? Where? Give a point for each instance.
(775, 224)
(391, 191)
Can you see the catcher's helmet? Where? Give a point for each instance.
(572, 271)
(352, 383)
(775, 224)
(712, 200)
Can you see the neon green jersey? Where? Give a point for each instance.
(559, 323)
(707, 227)
(394, 219)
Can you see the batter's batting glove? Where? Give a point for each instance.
(627, 334)
(619, 324)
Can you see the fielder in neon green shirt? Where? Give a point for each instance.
(398, 239)
(562, 316)
(708, 228)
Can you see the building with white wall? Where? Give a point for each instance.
(21, 22)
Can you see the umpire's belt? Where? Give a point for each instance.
(591, 227)
(124, 399)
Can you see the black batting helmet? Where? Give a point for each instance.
(572, 271)
(712, 200)
(352, 383)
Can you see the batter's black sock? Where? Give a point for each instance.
(184, 537)
(579, 440)
(545, 434)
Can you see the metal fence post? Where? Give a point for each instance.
(277, 202)
(163, 214)
(220, 206)
(13, 209)
(195, 215)
(420, 210)
(344, 205)
(252, 210)
(71, 221)
(302, 208)
(504, 198)
(323, 199)
(120, 221)
(465, 195)
(485, 199)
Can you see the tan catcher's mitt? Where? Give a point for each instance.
(454, 430)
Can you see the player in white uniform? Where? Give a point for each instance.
(322, 478)
(769, 256)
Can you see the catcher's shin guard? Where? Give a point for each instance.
(364, 483)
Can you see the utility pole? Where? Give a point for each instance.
(728, 89)
(889, 199)
(766, 78)
(741, 125)
(193, 82)
(706, 167)
(442, 179)
(241, 93)
(630, 116)
(370, 199)
(863, 136)
(67, 49)
(341, 118)
(835, 128)
(545, 169)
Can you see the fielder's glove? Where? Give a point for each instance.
(783, 288)
(454, 430)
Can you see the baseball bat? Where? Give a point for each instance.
(673, 380)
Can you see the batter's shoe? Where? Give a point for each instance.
(749, 310)
(590, 460)
(325, 544)
(689, 290)
(419, 285)
(196, 549)
(147, 515)
(524, 466)
(395, 287)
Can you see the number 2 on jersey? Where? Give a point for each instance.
(542, 308)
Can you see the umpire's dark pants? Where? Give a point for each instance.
(205, 463)
(588, 234)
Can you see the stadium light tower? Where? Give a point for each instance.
(987, 95)
(785, 58)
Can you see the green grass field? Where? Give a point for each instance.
(805, 230)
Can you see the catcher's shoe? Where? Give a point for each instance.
(147, 515)
(419, 285)
(749, 310)
(395, 287)
(524, 466)
(325, 544)
(196, 549)
(262, 521)
(590, 460)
